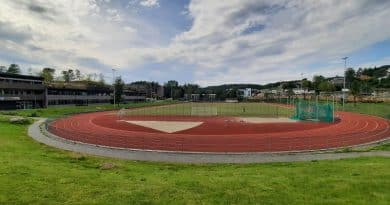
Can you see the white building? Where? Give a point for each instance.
(247, 92)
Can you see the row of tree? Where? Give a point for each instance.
(376, 77)
(49, 74)
(70, 75)
(12, 69)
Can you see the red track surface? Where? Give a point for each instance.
(222, 134)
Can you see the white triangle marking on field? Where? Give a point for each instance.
(167, 126)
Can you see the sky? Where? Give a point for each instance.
(208, 42)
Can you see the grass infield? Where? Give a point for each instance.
(220, 109)
(378, 109)
(54, 112)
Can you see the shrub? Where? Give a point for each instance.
(8, 113)
(34, 114)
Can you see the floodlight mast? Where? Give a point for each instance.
(345, 69)
(113, 84)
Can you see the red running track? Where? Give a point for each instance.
(222, 134)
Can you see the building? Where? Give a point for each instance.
(337, 81)
(134, 94)
(142, 90)
(245, 93)
(78, 93)
(21, 92)
(26, 92)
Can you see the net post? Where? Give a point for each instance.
(333, 107)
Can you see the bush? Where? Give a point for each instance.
(20, 121)
(8, 113)
(34, 114)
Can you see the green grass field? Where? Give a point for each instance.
(54, 112)
(32, 173)
(220, 109)
(378, 109)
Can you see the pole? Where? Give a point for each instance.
(172, 92)
(333, 107)
(345, 69)
(317, 107)
(113, 83)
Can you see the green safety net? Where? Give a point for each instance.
(306, 110)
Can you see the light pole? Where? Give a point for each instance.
(113, 84)
(345, 69)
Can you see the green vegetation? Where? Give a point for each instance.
(377, 109)
(221, 109)
(54, 112)
(13, 69)
(31, 173)
(382, 147)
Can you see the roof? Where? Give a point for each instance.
(77, 86)
(26, 77)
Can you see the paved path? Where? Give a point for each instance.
(41, 135)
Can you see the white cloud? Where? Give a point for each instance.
(222, 44)
(62, 32)
(149, 3)
(295, 34)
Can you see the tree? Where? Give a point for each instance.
(232, 93)
(14, 69)
(78, 74)
(289, 85)
(101, 79)
(173, 83)
(47, 74)
(359, 72)
(118, 85)
(317, 79)
(326, 86)
(170, 87)
(89, 77)
(350, 76)
(68, 75)
(355, 90)
(65, 76)
(290, 93)
(154, 88)
(190, 88)
(306, 85)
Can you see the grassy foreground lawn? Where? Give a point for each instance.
(31, 173)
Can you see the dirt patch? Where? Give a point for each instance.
(107, 166)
